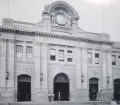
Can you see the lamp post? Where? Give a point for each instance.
(41, 76)
(7, 75)
(108, 79)
(82, 78)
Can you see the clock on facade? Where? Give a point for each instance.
(61, 19)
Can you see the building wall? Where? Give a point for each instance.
(41, 64)
(46, 35)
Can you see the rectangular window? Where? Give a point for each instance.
(19, 51)
(119, 59)
(52, 54)
(113, 59)
(61, 55)
(96, 58)
(69, 56)
(89, 58)
(29, 52)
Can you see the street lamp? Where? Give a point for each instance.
(108, 79)
(41, 76)
(82, 78)
(7, 75)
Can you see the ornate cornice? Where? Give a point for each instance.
(44, 34)
(5, 40)
(6, 30)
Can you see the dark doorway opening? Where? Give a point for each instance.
(24, 88)
(93, 89)
(61, 84)
(117, 89)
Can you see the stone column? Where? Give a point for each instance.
(37, 94)
(104, 69)
(78, 66)
(44, 62)
(11, 62)
(37, 66)
(84, 76)
(84, 67)
(3, 82)
(10, 69)
(75, 23)
(43, 68)
(109, 64)
(46, 19)
(107, 72)
(3, 63)
(78, 74)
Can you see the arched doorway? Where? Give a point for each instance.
(61, 84)
(93, 88)
(117, 89)
(24, 88)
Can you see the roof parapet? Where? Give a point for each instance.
(7, 23)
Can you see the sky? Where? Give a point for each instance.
(99, 16)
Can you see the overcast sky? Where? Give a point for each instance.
(93, 17)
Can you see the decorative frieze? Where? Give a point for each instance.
(33, 33)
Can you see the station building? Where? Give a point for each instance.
(56, 55)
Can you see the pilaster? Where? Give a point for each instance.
(107, 92)
(82, 77)
(44, 62)
(78, 66)
(10, 51)
(110, 81)
(84, 67)
(104, 69)
(3, 63)
(46, 19)
(37, 66)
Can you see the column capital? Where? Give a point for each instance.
(11, 40)
(37, 43)
(3, 39)
(83, 48)
(43, 43)
(106, 50)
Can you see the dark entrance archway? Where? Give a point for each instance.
(61, 84)
(117, 89)
(93, 88)
(24, 88)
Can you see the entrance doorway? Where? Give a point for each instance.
(61, 84)
(93, 88)
(24, 88)
(117, 89)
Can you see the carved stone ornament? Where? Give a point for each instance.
(61, 13)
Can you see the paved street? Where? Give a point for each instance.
(57, 103)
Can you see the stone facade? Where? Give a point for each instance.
(58, 30)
